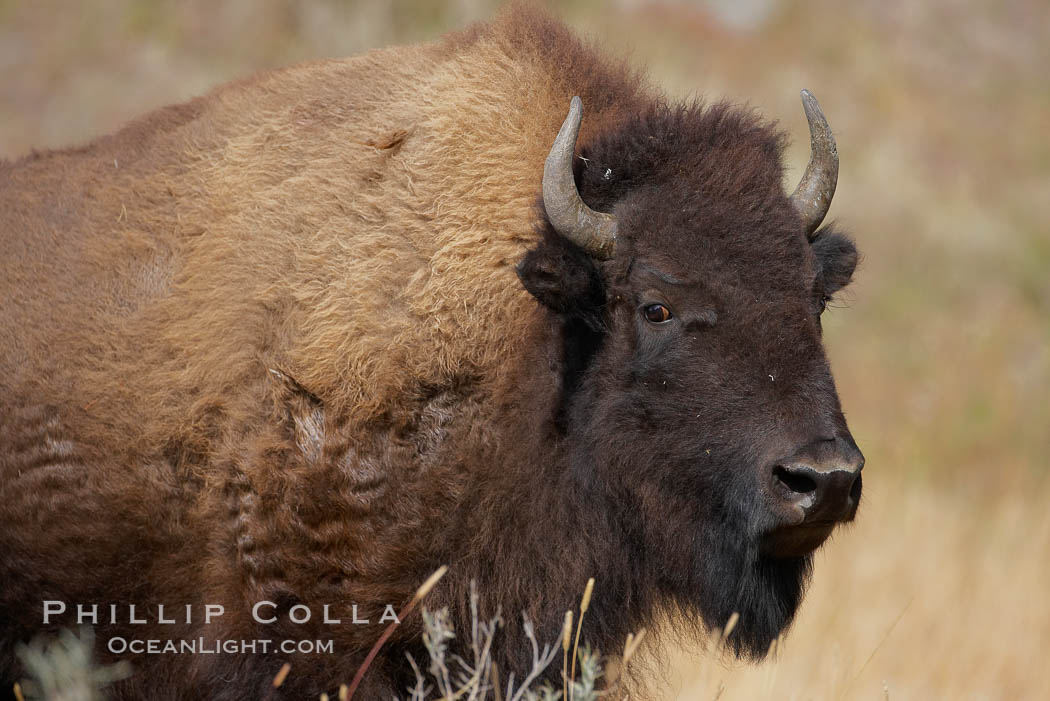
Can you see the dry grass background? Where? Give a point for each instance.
(941, 349)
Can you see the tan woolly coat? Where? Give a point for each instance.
(236, 332)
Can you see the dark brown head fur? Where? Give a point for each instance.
(686, 417)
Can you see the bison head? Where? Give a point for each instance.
(696, 392)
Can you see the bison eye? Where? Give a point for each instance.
(823, 303)
(657, 314)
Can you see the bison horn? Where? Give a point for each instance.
(592, 231)
(812, 197)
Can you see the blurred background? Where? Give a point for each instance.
(941, 348)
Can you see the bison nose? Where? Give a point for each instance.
(822, 494)
(811, 491)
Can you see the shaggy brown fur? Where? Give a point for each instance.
(272, 345)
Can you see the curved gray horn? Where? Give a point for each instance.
(812, 197)
(592, 231)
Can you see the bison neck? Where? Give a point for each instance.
(534, 527)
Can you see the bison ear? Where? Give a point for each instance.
(837, 256)
(563, 278)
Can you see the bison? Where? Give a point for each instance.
(301, 341)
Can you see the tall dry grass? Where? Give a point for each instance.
(941, 349)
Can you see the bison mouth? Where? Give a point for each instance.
(796, 541)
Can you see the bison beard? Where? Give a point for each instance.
(309, 337)
(732, 576)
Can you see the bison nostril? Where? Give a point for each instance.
(796, 482)
(854, 490)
